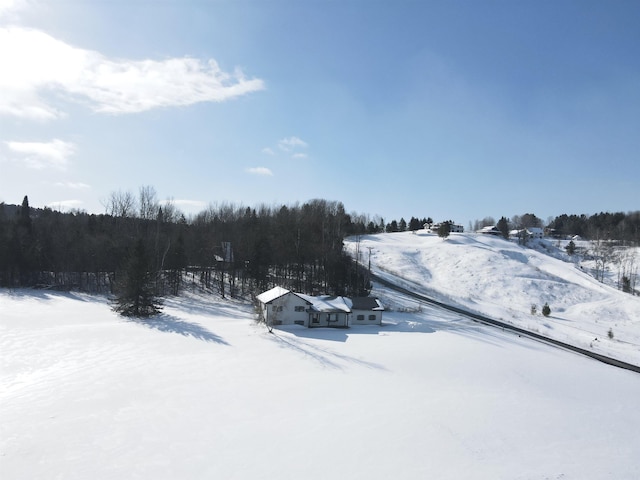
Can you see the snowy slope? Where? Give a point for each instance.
(502, 279)
(204, 392)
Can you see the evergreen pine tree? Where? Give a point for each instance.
(546, 310)
(444, 229)
(503, 226)
(414, 224)
(134, 289)
(25, 214)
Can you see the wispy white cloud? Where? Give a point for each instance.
(268, 151)
(299, 156)
(40, 155)
(183, 203)
(73, 185)
(259, 171)
(291, 143)
(10, 6)
(65, 204)
(34, 65)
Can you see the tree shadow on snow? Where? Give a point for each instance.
(325, 356)
(46, 294)
(203, 306)
(170, 324)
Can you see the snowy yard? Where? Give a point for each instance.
(204, 392)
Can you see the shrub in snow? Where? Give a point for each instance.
(610, 334)
(534, 309)
(444, 229)
(546, 310)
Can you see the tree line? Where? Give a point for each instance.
(228, 248)
(620, 226)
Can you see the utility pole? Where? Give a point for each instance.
(369, 275)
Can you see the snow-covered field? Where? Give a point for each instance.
(502, 279)
(204, 392)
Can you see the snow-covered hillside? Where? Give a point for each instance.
(502, 280)
(204, 392)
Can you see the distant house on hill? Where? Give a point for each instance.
(489, 230)
(535, 232)
(280, 306)
(552, 232)
(453, 228)
(529, 232)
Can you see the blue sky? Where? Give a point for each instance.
(450, 109)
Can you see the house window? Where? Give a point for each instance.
(314, 319)
(299, 308)
(372, 317)
(360, 317)
(277, 308)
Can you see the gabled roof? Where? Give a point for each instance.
(489, 229)
(277, 292)
(326, 303)
(364, 303)
(270, 295)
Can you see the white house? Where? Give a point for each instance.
(327, 311)
(280, 306)
(365, 311)
(535, 232)
(529, 232)
(489, 230)
(453, 228)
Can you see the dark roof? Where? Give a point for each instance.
(365, 303)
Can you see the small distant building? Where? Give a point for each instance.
(527, 233)
(535, 232)
(453, 228)
(552, 232)
(490, 230)
(280, 306)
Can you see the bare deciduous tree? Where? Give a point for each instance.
(120, 204)
(147, 203)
